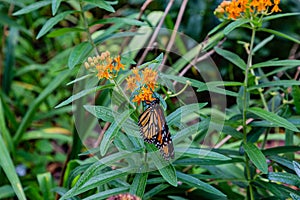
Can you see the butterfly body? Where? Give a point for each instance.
(154, 129)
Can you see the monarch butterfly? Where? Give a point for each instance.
(154, 129)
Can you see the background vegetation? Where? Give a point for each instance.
(44, 43)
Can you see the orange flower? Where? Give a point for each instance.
(145, 84)
(243, 8)
(276, 8)
(104, 65)
(119, 64)
(131, 83)
(149, 76)
(135, 71)
(144, 95)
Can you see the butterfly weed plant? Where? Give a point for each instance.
(140, 125)
(151, 131)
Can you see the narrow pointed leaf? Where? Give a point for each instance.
(8, 167)
(139, 182)
(84, 93)
(52, 22)
(235, 24)
(256, 156)
(284, 177)
(32, 7)
(273, 118)
(194, 182)
(280, 34)
(297, 168)
(232, 57)
(79, 53)
(101, 4)
(272, 63)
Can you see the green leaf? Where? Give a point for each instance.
(183, 80)
(283, 149)
(34, 105)
(201, 153)
(188, 131)
(240, 99)
(101, 112)
(280, 34)
(235, 24)
(45, 183)
(101, 4)
(294, 196)
(63, 31)
(55, 6)
(194, 182)
(156, 190)
(8, 63)
(32, 7)
(6, 191)
(282, 161)
(296, 97)
(84, 93)
(112, 131)
(296, 167)
(272, 63)
(276, 16)
(279, 191)
(52, 22)
(201, 161)
(6, 20)
(284, 177)
(79, 53)
(228, 130)
(90, 172)
(232, 57)
(107, 193)
(275, 71)
(3, 130)
(98, 180)
(8, 167)
(257, 157)
(119, 20)
(104, 113)
(218, 27)
(273, 118)
(184, 111)
(139, 182)
(262, 43)
(167, 172)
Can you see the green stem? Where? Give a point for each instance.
(123, 93)
(245, 105)
(87, 29)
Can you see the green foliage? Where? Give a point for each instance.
(247, 150)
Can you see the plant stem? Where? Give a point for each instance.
(123, 93)
(86, 27)
(245, 105)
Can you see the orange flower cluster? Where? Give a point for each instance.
(106, 66)
(143, 82)
(242, 8)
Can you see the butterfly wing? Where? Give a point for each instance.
(154, 129)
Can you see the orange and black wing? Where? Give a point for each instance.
(154, 129)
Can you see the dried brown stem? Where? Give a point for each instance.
(175, 30)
